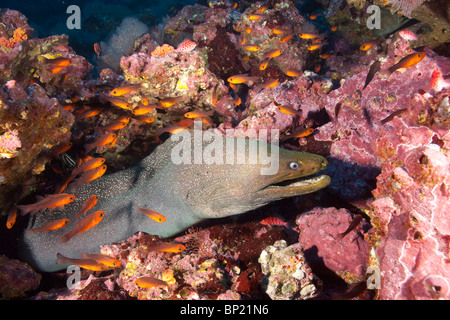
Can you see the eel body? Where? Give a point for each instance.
(185, 193)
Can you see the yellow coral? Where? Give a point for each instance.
(162, 50)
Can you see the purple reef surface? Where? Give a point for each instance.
(381, 230)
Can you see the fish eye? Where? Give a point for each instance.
(293, 165)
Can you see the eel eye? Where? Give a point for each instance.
(293, 165)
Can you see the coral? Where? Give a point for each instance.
(320, 231)
(121, 42)
(16, 278)
(162, 50)
(9, 143)
(406, 7)
(288, 276)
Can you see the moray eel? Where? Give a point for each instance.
(185, 193)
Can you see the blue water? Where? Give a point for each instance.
(98, 17)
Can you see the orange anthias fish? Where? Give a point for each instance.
(60, 148)
(117, 124)
(286, 38)
(264, 64)
(49, 201)
(12, 216)
(198, 113)
(152, 214)
(270, 83)
(51, 225)
(89, 113)
(88, 264)
(143, 109)
(292, 73)
(120, 103)
(168, 247)
(101, 258)
(149, 282)
(87, 205)
(120, 91)
(300, 133)
(408, 61)
(145, 118)
(366, 46)
(168, 102)
(278, 31)
(252, 48)
(271, 54)
(309, 35)
(313, 47)
(255, 16)
(60, 62)
(85, 224)
(241, 78)
(289, 110)
(97, 49)
(103, 140)
(89, 175)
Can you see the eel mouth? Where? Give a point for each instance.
(295, 187)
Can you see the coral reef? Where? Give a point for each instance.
(387, 144)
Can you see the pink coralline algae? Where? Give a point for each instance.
(16, 278)
(320, 234)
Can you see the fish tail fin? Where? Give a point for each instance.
(60, 259)
(31, 231)
(65, 238)
(28, 208)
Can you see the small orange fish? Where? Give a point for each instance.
(117, 124)
(89, 175)
(264, 64)
(325, 55)
(168, 247)
(120, 91)
(408, 61)
(262, 9)
(315, 16)
(292, 73)
(149, 282)
(300, 133)
(103, 140)
(56, 70)
(289, 110)
(97, 49)
(60, 148)
(85, 224)
(334, 28)
(168, 102)
(248, 30)
(242, 41)
(309, 35)
(145, 118)
(241, 78)
(12, 216)
(144, 101)
(237, 101)
(366, 46)
(120, 103)
(152, 214)
(271, 54)
(49, 201)
(313, 47)
(255, 16)
(87, 205)
(286, 38)
(88, 165)
(101, 258)
(252, 48)
(198, 113)
(214, 96)
(61, 187)
(174, 128)
(88, 264)
(269, 83)
(140, 110)
(278, 31)
(49, 226)
(60, 62)
(186, 122)
(89, 113)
